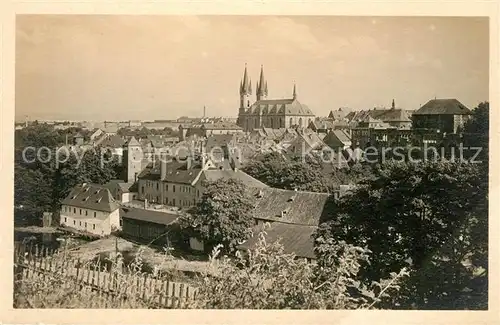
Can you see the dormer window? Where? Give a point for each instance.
(98, 200)
(292, 198)
(284, 213)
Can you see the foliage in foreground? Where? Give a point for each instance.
(267, 278)
(223, 215)
(431, 218)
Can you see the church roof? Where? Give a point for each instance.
(280, 106)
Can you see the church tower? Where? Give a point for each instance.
(261, 85)
(245, 91)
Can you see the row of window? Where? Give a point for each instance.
(166, 201)
(84, 211)
(182, 188)
(79, 223)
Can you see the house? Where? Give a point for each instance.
(293, 217)
(338, 140)
(321, 126)
(114, 143)
(305, 142)
(122, 192)
(90, 208)
(96, 134)
(445, 115)
(179, 182)
(147, 226)
(340, 114)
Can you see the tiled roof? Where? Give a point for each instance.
(118, 183)
(322, 124)
(112, 141)
(280, 106)
(443, 107)
(159, 217)
(395, 115)
(340, 114)
(219, 140)
(212, 175)
(296, 239)
(337, 138)
(177, 172)
(132, 142)
(297, 207)
(91, 196)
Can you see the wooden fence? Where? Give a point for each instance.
(32, 262)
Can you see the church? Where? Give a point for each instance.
(269, 113)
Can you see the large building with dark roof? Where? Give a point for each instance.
(269, 113)
(445, 115)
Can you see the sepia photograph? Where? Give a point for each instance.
(251, 162)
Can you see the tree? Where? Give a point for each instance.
(425, 217)
(477, 129)
(223, 215)
(267, 278)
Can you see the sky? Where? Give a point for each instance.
(96, 67)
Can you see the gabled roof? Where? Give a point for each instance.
(296, 239)
(296, 207)
(443, 107)
(112, 141)
(119, 184)
(219, 140)
(91, 196)
(337, 138)
(158, 217)
(132, 142)
(177, 172)
(395, 115)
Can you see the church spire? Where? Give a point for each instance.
(294, 91)
(393, 106)
(246, 87)
(261, 85)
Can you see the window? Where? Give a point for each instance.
(173, 188)
(291, 121)
(173, 202)
(74, 222)
(80, 211)
(80, 223)
(85, 225)
(86, 213)
(95, 214)
(65, 219)
(157, 186)
(93, 226)
(74, 210)
(142, 189)
(166, 187)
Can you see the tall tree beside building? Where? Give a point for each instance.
(223, 215)
(431, 218)
(479, 127)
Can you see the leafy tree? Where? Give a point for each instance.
(477, 129)
(40, 182)
(267, 278)
(223, 215)
(425, 217)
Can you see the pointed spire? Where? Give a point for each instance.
(250, 87)
(294, 91)
(393, 106)
(261, 85)
(265, 89)
(246, 82)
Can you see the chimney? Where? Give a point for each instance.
(145, 204)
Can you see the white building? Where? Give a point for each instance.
(91, 208)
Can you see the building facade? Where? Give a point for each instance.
(269, 113)
(90, 208)
(445, 115)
